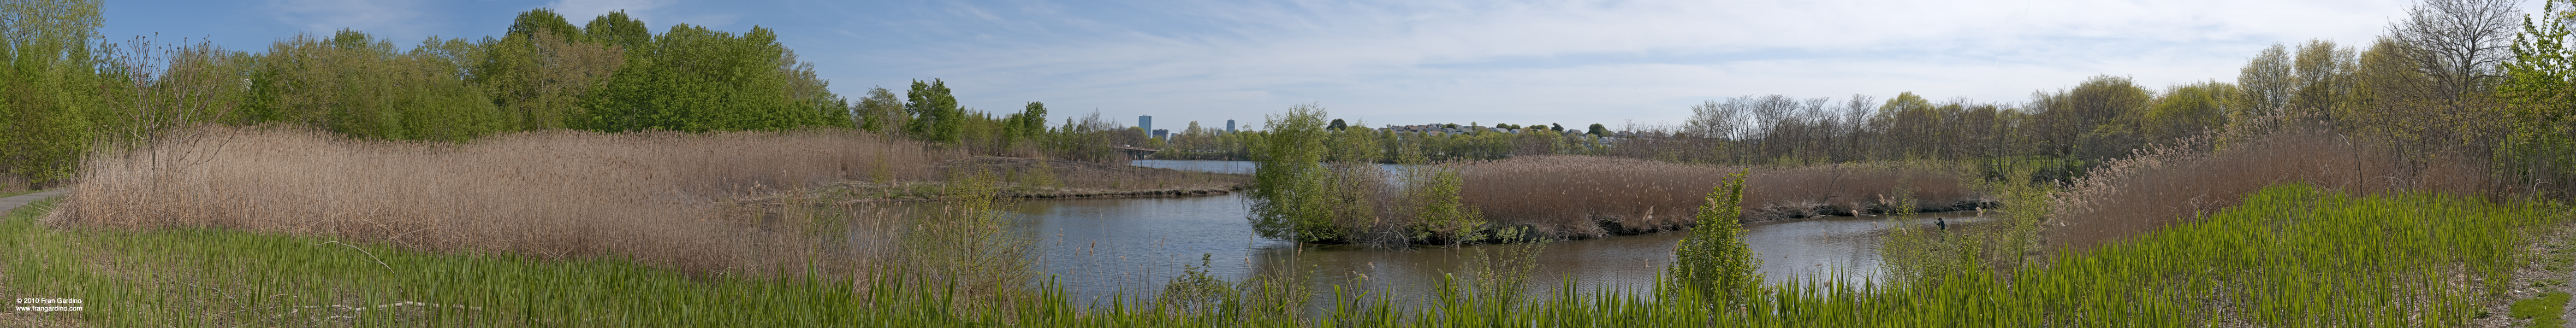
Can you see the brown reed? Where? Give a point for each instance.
(654, 197)
(1086, 175)
(1593, 196)
(2195, 177)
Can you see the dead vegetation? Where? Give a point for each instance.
(2198, 176)
(651, 197)
(1594, 196)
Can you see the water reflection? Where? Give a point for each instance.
(1098, 248)
(1103, 247)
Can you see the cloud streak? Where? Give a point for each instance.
(326, 16)
(1458, 60)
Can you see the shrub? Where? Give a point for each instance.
(1714, 262)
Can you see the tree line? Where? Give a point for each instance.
(2461, 79)
(2456, 80)
(68, 91)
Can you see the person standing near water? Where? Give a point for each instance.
(1944, 224)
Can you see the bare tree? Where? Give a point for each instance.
(2459, 42)
(171, 90)
(1711, 119)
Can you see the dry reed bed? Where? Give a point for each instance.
(1088, 176)
(1031, 178)
(1593, 196)
(2198, 176)
(651, 197)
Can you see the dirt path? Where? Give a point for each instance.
(2552, 268)
(12, 203)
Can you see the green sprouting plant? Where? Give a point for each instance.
(1444, 216)
(1041, 176)
(968, 242)
(2026, 206)
(1714, 263)
(1502, 272)
(1196, 290)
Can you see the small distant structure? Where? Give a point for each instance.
(1164, 134)
(1229, 126)
(1134, 152)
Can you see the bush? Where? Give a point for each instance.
(1714, 262)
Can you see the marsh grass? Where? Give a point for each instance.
(650, 197)
(2288, 256)
(1575, 197)
(2195, 177)
(1036, 175)
(2284, 255)
(1912, 252)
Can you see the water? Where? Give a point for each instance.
(1097, 248)
(1104, 246)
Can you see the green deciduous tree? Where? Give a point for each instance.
(880, 111)
(934, 113)
(695, 79)
(542, 70)
(2269, 81)
(617, 29)
(49, 90)
(355, 84)
(2324, 78)
(2189, 109)
(1292, 191)
(2539, 95)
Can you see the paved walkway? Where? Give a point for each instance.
(13, 202)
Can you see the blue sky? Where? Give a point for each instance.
(1401, 62)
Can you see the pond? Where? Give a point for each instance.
(1102, 247)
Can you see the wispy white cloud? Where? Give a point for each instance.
(1510, 60)
(1555, 60)
(399, 17)
(655, 12)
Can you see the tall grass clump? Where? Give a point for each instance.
(968, 243)
(651, 197)
(1081, 175)
(1917, 252)
(1714, 262)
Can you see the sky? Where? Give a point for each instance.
(1398, 62)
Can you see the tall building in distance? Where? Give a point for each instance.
(1146, 122)
(1229, 126)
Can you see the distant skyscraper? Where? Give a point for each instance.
(1146, 122)
(1229, 126)
(1163, 134)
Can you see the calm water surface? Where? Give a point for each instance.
(1103, 247)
